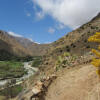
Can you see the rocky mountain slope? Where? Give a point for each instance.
(78, 83)
(35, 48)
(76, 78)
(76, 42)
(9, 46)
(19, 46)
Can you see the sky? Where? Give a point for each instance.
(45, 21)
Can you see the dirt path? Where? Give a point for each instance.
(79, 83)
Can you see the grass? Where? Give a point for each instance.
(37, 61)
(3, 98)
(12, 91)
(11, 69)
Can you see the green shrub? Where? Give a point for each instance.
(66, 54)
(37, 62)
(11, 69)
(11, 91)
(65, 60)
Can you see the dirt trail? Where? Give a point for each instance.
(79, 83)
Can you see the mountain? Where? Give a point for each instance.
(72, 71)
(19, 46)
(76, 42)
(35, 48)
(9, 46)
(73, 75)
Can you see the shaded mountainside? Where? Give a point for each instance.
(35, 48)
(11, 46)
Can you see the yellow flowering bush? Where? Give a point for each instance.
(96, 61)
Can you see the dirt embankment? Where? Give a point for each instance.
(78, 83)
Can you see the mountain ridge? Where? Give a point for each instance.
(20, 46)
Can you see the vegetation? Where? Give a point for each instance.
(65, 60)
(3, 98)
(11, 69)
(6, 56)
(96, 61)
(25, 59)
(11, 92)
(37, 61)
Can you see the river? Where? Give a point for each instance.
(30, 71)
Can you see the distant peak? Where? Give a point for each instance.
(98, 14)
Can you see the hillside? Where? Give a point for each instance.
(9, 46)
(78, 83)
(76, 42)
(35, 48)
(68, 59)
(75, 74)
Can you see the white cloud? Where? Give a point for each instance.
(33, 41)
(37, 42)
(28, 14)
(60, 26)
(14, 34)
(30, 39)
(17, 35)
(47, 42)
(51, 30)
(72, 13)
(39, 15)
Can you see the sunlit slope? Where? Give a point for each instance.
(76, 41)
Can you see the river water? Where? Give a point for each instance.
(30, 71)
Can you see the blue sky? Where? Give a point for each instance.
(45, 21)
(19, 16)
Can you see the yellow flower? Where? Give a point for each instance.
(99, 47)
(98, 72)
(94, 38)
(96, 52)
(97, 33)
(96, 62)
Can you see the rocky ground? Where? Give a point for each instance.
(79, 83)
(76, 83)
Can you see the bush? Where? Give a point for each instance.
(11, 91)
(37, 62)
(68, 50)
(92, 27)
(11, 69)
(65, 60)
(87, 46)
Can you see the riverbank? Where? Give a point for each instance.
(16, 81)
(10, 88)
(11, 69)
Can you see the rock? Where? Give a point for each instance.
(40, 88)
(37, 88)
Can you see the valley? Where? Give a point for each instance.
(15, 82)
(57, 71)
